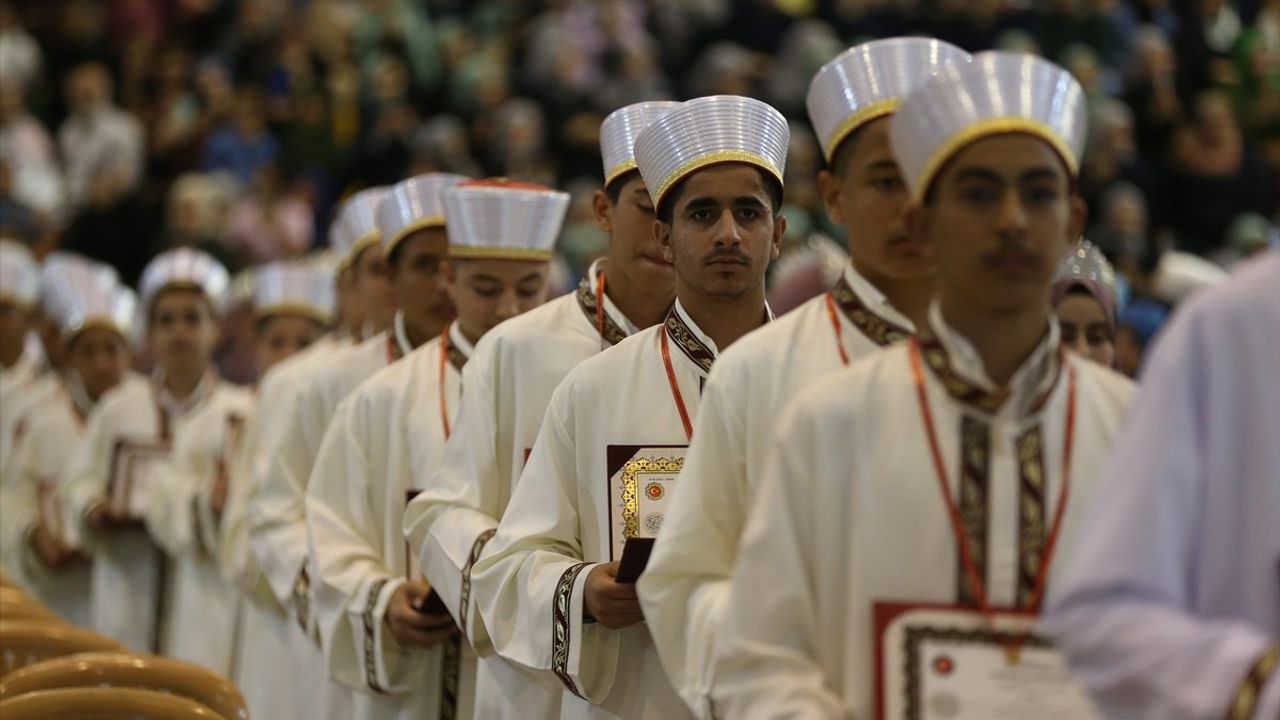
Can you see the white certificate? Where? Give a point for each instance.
(133, 473)
(641, 480)
(949, 663)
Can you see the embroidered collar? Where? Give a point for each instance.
(173, 407)
(956, 363)
(868, 310)
(616, 325)
(460, 349)
(696, 345)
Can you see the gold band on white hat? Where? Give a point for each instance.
(412, 205)
(189, 268)
(708, 131)
(355, 225)
(869, 81)
(297, 288)
(618, 135)
(994, 94)
(503, 219)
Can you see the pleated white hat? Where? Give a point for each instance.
(869, 81)
(618, 135)
(412, 205)
(708, 131)
(297, 288)
(63, 274)
(994, 94)
(1086, 262)
(500, 218)
(355, 225)
(19, 275)
(101, 304)
(186, 267)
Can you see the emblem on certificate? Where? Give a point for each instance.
(132, 478)
(950, 663)
(641, 481)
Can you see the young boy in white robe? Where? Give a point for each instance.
(382, 632)
(509, 382)
(95, 316)
(880, 297)
(610, 448)
(109, 478)
(187, 520)
(277, 526)
(912, 500)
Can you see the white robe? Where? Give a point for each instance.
(1175, 593)
(848, 512)
(133, 581)
(355, 504)
(683, 593)
(509, 382)
(277, 525)
(272, 645)
(40, 457)
(565, 516)
(22, 387)
(204, 610)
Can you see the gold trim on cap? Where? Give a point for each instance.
(362, 243)
(856, 120)
(467, 252)
(96, 323)
(713, 158)
(423, 223)
(291, 308)
(987, 128)
(619, 170)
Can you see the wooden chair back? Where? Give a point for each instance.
(27, 642)
(104, 704)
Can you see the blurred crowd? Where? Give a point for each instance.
(132, 126)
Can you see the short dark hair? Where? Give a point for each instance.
(614, 189)
(666, 211)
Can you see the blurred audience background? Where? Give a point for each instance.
(131, 126)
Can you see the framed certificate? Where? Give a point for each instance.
(641, 480)
(937, 662)
(132, 474)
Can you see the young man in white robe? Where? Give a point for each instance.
(383, 634)
(272, 516)
(277, 526)
(108, 484)
(509, 382)
(292, 304)
(920, 493)
(95, 316)
(1170, 607)
(615, 431)
(881, 296)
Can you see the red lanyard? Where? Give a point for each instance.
(393, 348)
(444, 360)
(835, 325)
(966, 553)
(675, 387)
(600, 307)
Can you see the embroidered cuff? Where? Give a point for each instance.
(389, 669)
(1246, 700)
(584, 656)
(465, 610)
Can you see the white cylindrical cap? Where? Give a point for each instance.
(618, 135)
(412, 205)
(504, 219)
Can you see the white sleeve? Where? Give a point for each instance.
(182, 483)
(685, 587)
(765, 666)
(1123, 613)
(84, 479)
(529, 584)
(456, 513)
(352, 585)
